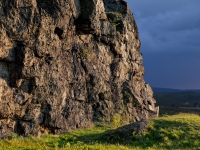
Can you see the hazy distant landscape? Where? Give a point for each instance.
(173, 101)
(168, 90)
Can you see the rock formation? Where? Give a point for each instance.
(65, 64)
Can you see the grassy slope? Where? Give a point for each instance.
(180, 131)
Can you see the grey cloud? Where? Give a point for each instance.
(172, 69)
(170, 36)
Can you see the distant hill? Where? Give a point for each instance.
(175, 97)
(168, 90)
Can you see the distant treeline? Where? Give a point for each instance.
(178, 99)
(167, 90)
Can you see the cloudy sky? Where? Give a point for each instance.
(170, 35)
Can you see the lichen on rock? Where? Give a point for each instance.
(65, 64)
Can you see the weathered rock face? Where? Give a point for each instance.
(67, 63)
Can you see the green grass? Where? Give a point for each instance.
(180, 131)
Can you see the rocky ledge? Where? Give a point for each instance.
(65, 64)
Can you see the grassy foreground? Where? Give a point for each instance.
(180, 131)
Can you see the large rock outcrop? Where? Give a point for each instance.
(67, 63)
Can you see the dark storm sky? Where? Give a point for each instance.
(170, 34)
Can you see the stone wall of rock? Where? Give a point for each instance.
(65, 64)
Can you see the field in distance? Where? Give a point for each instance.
(173, 101)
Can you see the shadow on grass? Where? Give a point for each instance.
(90, 138)
(161, 133)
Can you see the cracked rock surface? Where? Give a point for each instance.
(65, 64)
